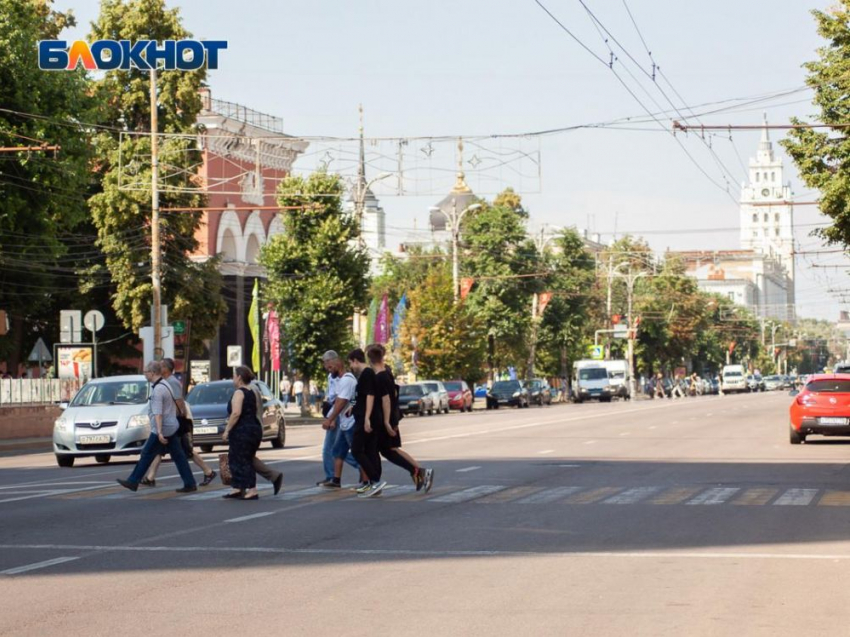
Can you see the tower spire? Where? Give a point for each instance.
(460, 183)
(765, 145)
(361, 166)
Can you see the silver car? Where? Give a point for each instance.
(438, 393)
(107, 417)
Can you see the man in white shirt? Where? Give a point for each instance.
(298, 390)
(338, 427)
(285, 388)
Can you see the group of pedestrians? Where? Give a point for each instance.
(361, 423)
(679, 386)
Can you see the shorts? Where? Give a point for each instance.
(342, 444)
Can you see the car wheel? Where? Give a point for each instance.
(102, 458)
(206, 448)
(795, 437)
(64, 461)
(280, 439)
(430, 412)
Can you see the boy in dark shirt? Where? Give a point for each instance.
(364, 444)
(386, 421)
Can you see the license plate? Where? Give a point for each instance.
(833, 421)
(95, 440)
(205, 430)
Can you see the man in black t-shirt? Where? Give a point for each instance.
(364, 444)
(389, 439)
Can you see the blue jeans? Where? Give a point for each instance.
(153, 447)
(328, 453)
(342, 446)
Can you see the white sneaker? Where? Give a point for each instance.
(373, 490)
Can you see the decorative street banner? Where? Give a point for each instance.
(273, 339)
(466, 284)
(382, 331)
(254, 325)
(543, 301)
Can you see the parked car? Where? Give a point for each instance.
(539, 392)
(208, 402)
(507, 392)
(772, 383)
(107, 417)
(480, 391)
(592, 380)
(823, 407)
(415, 399)
(439, 395)
(459, 395)
(733, 379)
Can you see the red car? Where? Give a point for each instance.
(822, 407)
(460, 397)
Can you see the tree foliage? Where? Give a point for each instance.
(317, 275)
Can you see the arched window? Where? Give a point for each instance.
(776, 217)
(766, 217)
(777, 232)
(755, 217)
(765, 176)
(772, 176)
(758, 175)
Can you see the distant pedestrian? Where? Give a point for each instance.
(298, 390)
(244, 434)
(184, 417)
(387, 421)
(677, 388)
(285, 389)
(314, 394)
(658, 391)
(164, 426)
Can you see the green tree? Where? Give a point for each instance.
(42, 194)
(122, 214)
(505, 264)
(317, 275)
(449, 338)
(823, 157)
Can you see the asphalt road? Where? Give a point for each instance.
(690, 517)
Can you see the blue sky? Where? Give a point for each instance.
(481, 67)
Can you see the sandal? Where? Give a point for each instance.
(208, 479)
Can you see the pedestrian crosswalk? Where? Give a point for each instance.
(495, 494)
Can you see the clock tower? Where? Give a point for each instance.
(767, 215)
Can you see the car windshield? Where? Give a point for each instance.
(617, 374)
(772, 378)
(117, 393)
(507, 385)
(593, 373)
(451, 386)
(431, 386)
(410, 390)
(210, 394)
(732, 374)
(829, 387)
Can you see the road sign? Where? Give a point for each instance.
(179, 327)
(234, 355)
(621, 330)
(70, 326)
(93, 321)
(596, 352)
(40, 353)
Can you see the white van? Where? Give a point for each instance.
(733, 379)
(591, 380)
(618, 372)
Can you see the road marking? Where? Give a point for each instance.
(632, 496)
(466, 495)
(508, 495)
(394, 490)
(30, 497)
(714, 496)
(295, 495)
(38, 565)
(626, 433)
(797, 497)
(653, 427)
(546, 451)
(675, 496)
(53, 484)
(755, 497)
(590, 442)
(593, 495)
(835, 499)
(549, 495)
(652, 555)
(251, 517)
(467, 469)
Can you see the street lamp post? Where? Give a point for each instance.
(630, 278)
(454, 219)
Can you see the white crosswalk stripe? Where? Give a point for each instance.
(632, 496)
(549, 495)
(469, 494)
(714, 496)
(796, 497)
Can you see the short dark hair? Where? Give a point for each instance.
(375, 352)
(167, 363)
(357, 355)
(245, 374)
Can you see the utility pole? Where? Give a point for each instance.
(630, 278)
(608, 304)
(155, 244)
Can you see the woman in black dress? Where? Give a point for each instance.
(244, 432)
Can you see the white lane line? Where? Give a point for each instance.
(251, 517)
(590, 442)
(545, 451)
(653, 427)
(796, 497)
(38, 565)
(708, 415)
(467, 469)
(393, 490)
(45, 494)
(303, 493)
(714, 496)
(626, 433)
(469, 494)
(653, 555)
(56, 484)
(631, 496)
(549, 495)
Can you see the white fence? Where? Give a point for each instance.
(36, 391)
